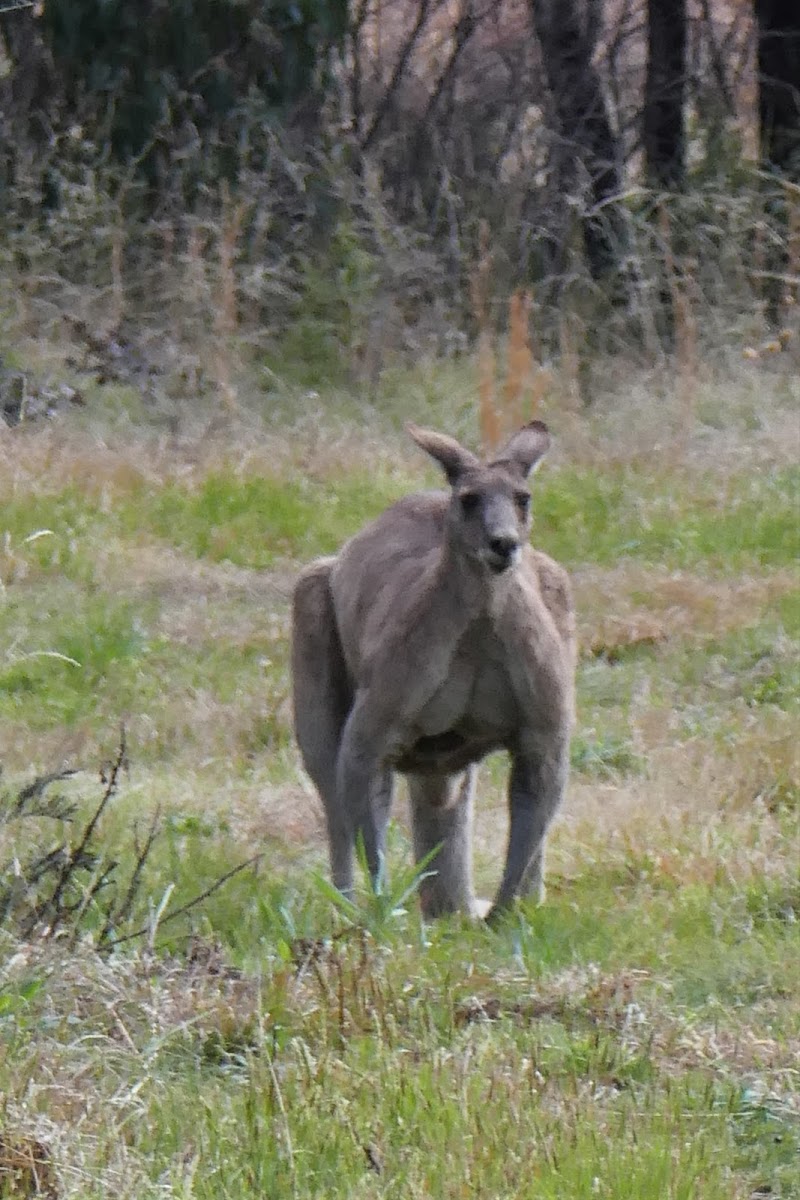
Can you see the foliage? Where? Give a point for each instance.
(364, 158)
(152, 72)
(381, 903)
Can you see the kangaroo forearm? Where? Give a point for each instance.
(535, 794)
(357, 772)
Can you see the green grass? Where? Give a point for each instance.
(50, 535)
(619, 513)
(532, 1061)
(588, 516)
(788, 609)
(605, 756)
(67, 655)
(255, 522)
(758, 665)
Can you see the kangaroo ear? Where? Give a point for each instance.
(451, 456)
(525, 449)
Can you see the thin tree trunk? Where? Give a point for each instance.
(779, 119)
(29, 82)
(665, 86)
(779, 85)
(567, 35)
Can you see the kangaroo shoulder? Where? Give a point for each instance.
(555, 590)
(554, 582)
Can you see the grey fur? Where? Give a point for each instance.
(435, 636)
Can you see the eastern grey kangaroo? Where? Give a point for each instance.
(435, 636)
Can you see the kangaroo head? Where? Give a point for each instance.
(489, 517)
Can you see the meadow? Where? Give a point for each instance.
(636, 1037)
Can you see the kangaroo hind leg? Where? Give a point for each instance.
(322, 699)
(441, 812)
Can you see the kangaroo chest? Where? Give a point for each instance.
(475, 700)
(471, 712)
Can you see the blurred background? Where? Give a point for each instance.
(318, 191)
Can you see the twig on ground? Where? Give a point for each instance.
(190, 904)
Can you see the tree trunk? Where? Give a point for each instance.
(664, 135)
(779, 118)
(26, 96)
(567, 32)
(779, 85)
(29, 84)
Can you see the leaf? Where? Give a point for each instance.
(10, 1000)
(341, 903)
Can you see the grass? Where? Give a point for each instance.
(581, 517)
(255, 522)
(636, 1037)
(729, 526)
(436, 1062)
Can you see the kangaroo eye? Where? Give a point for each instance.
(523, 501)
(469, 502)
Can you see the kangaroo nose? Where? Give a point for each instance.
(503, 546)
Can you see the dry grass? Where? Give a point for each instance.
(630, 605)
(700, 809)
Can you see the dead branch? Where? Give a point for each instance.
(36, 789)
(115, 918)
(465, 27)
(717, 57)
(190, 904)
(79, 855)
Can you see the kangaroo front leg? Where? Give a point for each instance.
(532, 886)
(342, 834)
(538, 777)
(363, 790)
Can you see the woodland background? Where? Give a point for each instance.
(342, 187)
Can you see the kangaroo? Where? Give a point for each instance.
(435, 636)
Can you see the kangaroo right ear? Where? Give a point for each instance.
(450, 455)
(525, 449)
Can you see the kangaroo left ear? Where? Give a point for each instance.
(525, 450)
(450, 454)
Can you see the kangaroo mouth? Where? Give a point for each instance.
(498, 564)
